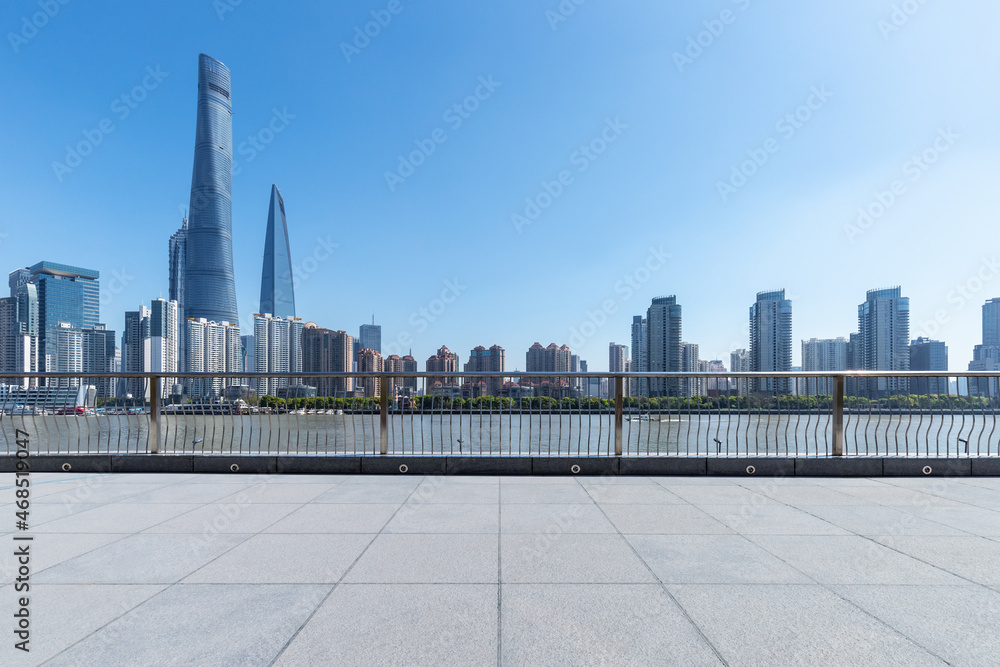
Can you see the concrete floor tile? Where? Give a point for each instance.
(396, 624)
(712, 559)
(880, 520)
(48, 550)
(242, 625)
(141, 559)
(367, 493)
(62, 615)
(284, 559)
(449, 559)
(955, 623)
(977, 520)
(835, 559)
(781, 625)
(719, 495)
(225, 517)
(572, 624)
(663, 520)
(542, 493)
(554, 518)
(968, 556)
(277, 492)
(771, 520)
(570, 558)
(620, 494)
(804, 496)
(116, 518)
(432, 492)
(445, 518)
(331, 518)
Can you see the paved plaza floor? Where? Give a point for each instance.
(239, 569)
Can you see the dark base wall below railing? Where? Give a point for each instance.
(469, 465)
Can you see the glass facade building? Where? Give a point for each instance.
(277, 292)
(209, 290)
(68, 298)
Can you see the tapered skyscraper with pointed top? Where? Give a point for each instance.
(209, 286)
(277, 291)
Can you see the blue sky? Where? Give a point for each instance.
(611, 119)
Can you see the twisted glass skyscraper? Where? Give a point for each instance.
(277, 293)
(209, 287)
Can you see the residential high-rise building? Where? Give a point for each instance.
(663, 348)
(370, 361)
(393, 364)
(326, 351)
(617, 358)
(690, 364)
(213, 347)
(135, 351)
(739, 362)
(991, 323)
(247, 353)
(209, 290)
(370, 337)
(8, 331)
(99, 347)
(482, 360)
(928, 355)
(277, 351)
(771, 340)
(277, 289)
(410, 383)
(164, 336)
(884, 339)
(445, 361)
(551, 359)
(716, 386)
(178, 255)
(818, 355)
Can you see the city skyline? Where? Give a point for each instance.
(827, 191)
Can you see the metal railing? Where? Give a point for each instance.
(859, 414)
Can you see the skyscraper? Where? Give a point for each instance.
(175, 292)
(99, 348)
(370, 337)
(277, 349)
(663, 344)
(640, 350)
(617, 358)
(326, 351)
(689, 364)
(826, 354)
(986, 357)
(277, 291)
(991, 323)
(68, 297)
(445, 361)
(209, 289)
(739, 362)
(771, 340)
(135, 350)
(928, 355)
(213, 347)
(884, 338)
(370, 361)
(163, 337)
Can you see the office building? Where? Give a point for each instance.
(884, 340)
(370, 361)
(482, 360)
(928, 355)
(277, 351)
(326, 351)
(370, 337)
(986, 356)
(99, 347)
(771, 340)
(819, 355)
(209, 291)
(739, 362)
(277, 291)
(663, 344)
(68, 297)
(177, 251)
(135, 352)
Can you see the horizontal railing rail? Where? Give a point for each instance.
(507, 414)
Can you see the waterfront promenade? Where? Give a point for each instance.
(293, 570)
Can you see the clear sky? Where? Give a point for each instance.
(609, 117)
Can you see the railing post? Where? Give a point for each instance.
(619, 393)
(383, 416)
(838, 415)
(154, 415)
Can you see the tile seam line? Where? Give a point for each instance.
(663, 587)
(281, 651)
